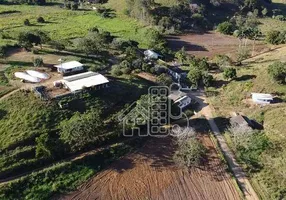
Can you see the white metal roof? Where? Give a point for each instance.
(69, 65)
(87, 79)
(27, 77)
(262, 96)
(38, 74)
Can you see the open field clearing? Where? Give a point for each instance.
(62, 24)
(150, 174)
(210, 44)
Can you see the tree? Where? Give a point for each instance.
(116, 70)
(27, 39)
(207, 79)
(27, 22)
(229, 73)
(164, 79)
(277, 71)
(222, 61)
(81, 129)
(264, 12)
(182, 55)
(38, 62)
(130, 53)
(225, 28)
(48, 147)
(276, 37)
(194, 76)
(57, 45)
(242, 54)
(189, 150)
(40, 20)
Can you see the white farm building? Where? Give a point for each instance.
(261, 98)
(69, 67)
(85, 80)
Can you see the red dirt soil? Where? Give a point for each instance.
(210, 44)
(151, 174)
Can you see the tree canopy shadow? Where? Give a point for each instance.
(245, 77)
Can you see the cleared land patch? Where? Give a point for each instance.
(150, 174)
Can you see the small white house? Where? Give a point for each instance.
(149, 54)
(261, 98)
(68, 67)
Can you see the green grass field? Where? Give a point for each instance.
(65, 24)
(253, 77)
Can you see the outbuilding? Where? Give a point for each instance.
(261, 98)
(85, 80)
(151, 55)
(69, 67)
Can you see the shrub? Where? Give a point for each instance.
(40, 20)
(190, 151)
(207, 79)
(194, 76)
(27, 22)
(229, 73)
(81, 129)
(225, 28)
(38, 62)
(164, 79)
(280, 17)
(222, 61)
(57, 45)
(116, 71)
(242, 54)
(276, 37)
(277, 71)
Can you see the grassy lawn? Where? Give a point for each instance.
(64, 24)
(253, 77)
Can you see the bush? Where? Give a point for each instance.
(81, 129)
(225, 28)
(276, 37)
(194, 76)
(40, 20)
(57, 45)
(229, 73)
(222, 61)
(277, 71)
(207, 79)
(27, 22)
(164, 79)
(280, 17)
(116, 71)
(38, 62)
(190, 151)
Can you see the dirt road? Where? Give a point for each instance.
(240, 176)
(151, 174)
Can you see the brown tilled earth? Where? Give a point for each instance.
(151, 174)
(211, 43)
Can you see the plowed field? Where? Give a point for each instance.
(150, 174)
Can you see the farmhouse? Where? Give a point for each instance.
(261, 98)
(68, 67)
(181, 99)
(85, 80)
